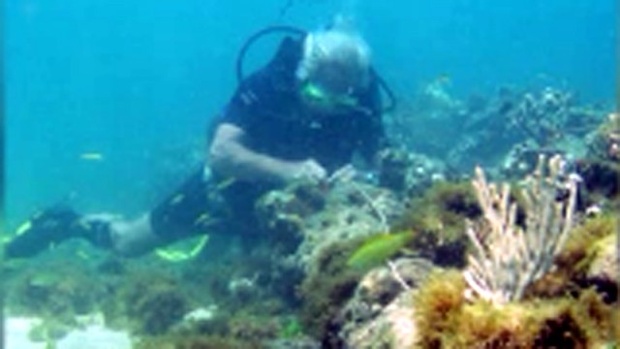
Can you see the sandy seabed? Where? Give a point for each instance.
(92, 336)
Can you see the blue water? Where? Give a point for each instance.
(137, 81)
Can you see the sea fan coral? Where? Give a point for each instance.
(507, 258)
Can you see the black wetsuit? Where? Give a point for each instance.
(267, 107)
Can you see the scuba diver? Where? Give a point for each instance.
(302, 116)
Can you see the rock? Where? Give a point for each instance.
(380, 315)
(392, 328)
(604, 271)
(353, 210)
(303, 218)
(605, 263)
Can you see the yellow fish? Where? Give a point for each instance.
(377, 249)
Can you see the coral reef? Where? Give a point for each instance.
(549, 119)
(486, 307)
(412, 256)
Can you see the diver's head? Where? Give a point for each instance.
(335, 65)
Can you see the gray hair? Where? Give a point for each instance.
(343, 53)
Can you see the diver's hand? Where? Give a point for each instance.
(308, 170)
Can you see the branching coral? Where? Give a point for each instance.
(507, 258)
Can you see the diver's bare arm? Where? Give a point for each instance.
(229, 156)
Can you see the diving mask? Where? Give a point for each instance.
(320, 96)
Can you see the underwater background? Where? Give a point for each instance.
(108, 102)
(107, 109)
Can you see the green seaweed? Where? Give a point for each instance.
(60, 291)
(445, 319)
(328, 286)
(148, 302)
(291, 328)
(193, 342)
(437, 222)
(582, 246)
(601, 183)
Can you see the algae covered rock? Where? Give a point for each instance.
(380, 314)
(305, 217)
(605, 263)
(393, 327)
(446, 318)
